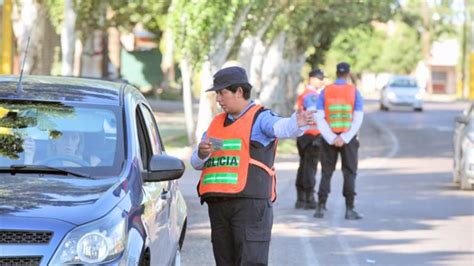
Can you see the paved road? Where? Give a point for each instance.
(414, 215)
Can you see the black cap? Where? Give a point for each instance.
(343, 68)
(229, 76)
(318, 73)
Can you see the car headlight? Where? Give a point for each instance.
(97, 242)
(391, 95)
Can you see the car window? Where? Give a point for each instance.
(403, 83)
(152, 130)
(61, 135)
(143, 139)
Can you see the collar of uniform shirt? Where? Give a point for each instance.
(340, 81)
(251, 103)
(311, 87)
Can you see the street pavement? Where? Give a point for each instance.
(414, 215)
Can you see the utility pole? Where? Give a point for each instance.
(426, 42)
(7, 35)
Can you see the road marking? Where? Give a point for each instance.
(311, 258)
(351, 260)
(340, 208)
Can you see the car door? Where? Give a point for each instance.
(457, 139)
(156, 194)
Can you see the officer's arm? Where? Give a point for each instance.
(357, 118)
(197, 162)
(287, 127)
(323, 126)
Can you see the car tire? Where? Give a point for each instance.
(418, 109)
(383, 107)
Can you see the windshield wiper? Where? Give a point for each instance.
(27, 168)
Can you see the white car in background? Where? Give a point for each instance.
(463, 140)
(401, 91)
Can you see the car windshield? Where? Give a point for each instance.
(83, 138)
(403, 83)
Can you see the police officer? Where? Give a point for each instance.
(339, 118)
(308, 144)
(236, 156)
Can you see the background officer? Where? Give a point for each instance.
(236, 156)
(308, 144)
(339, 117)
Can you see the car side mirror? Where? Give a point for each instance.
(462, 119)
(164, 167)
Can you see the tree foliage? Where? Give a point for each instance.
(439, 13)
(196, 24)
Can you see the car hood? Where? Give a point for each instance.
(74, 200)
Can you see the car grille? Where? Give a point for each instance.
(25, 237)
(19, 261)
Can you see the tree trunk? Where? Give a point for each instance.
(207, 105)
(167, 62)
(27, 22)
(426, 41)
(251, 53)
(281, 74)
(114, 53)
(187, 99)
(113, 48)
(217, 58)
(92, 55)
(68, 38)
(77, 62)
(272, 93)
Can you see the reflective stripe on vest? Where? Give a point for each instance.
(300, 105)
(339, 103)
(226, 171)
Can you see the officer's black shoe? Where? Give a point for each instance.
(300, 200)
(352, 215)
(310, 203)
(320, 209)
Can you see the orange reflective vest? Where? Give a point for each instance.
(237, 169)
(339, 103)
(300, 105)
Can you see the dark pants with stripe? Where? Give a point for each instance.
(241, 230)
(349, 160)
(308, 150)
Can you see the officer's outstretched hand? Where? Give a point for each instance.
(204, 149)
(304, 118)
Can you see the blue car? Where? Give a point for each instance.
(84, 176)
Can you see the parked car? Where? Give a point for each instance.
(463, 141)
(401, 91)
(84, 176)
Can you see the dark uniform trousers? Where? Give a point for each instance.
(349, 160)
(241, 230)
(308, 150)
